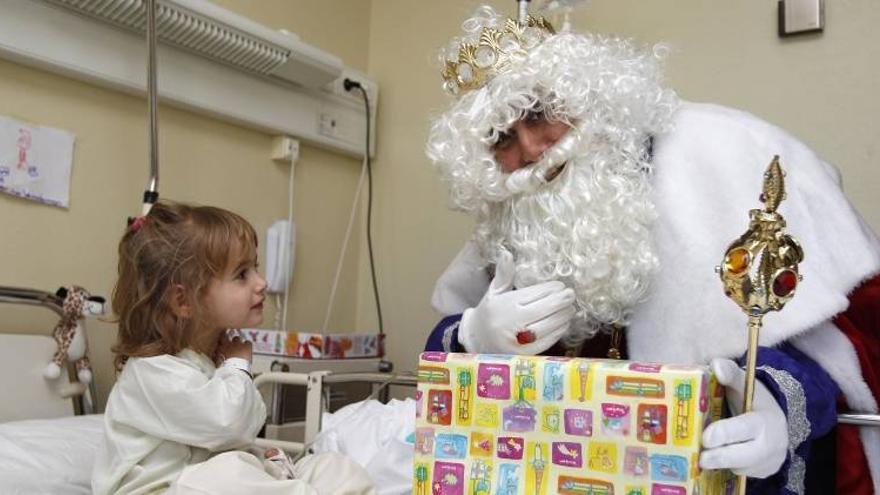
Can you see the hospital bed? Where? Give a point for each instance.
(49, 434)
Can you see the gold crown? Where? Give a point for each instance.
(493, 53)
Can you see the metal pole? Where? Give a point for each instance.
(523, 11)
(151, 194)
(751, 361)
(749, 392)
(866, 420)
(18, 295)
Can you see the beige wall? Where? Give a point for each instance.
(202, 160)
(820, 87)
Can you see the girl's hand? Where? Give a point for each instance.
(233, 346)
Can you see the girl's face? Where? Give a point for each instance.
(234, 299)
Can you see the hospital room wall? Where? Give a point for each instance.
(202, 160)
(820, 87)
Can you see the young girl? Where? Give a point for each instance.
(184, 392)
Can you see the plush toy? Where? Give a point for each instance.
(70, 333)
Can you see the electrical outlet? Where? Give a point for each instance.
(369, 86)
(285, 148)
(337, 87)
(328, 125)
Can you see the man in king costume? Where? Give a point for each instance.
(603, 202)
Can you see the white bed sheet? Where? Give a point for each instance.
(49, 456)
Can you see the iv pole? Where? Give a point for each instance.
(523, 11)
(151, 193)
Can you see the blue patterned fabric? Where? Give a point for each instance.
(444, 337)
(807, 395)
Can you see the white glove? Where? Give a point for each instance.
(754, 444)
(463, 284)
(541, 313)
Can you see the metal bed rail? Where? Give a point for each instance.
(871, 420)
(284, 378)
(18, 295)
(314, 406)
(314, 383)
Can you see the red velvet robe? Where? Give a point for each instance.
(861, 324)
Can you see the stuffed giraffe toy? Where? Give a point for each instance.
(70, 333)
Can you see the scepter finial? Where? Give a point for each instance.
(760, 269)
(774, 186)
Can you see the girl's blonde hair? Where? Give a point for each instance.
(174, 245)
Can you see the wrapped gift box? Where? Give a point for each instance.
(534, 425)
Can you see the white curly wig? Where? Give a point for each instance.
(590, 226)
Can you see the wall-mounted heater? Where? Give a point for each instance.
(211, 60)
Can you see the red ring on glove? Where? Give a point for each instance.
(525, 336)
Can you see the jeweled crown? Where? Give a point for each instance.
(495, 49)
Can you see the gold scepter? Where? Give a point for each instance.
(760, 272)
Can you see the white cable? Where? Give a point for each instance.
(354, 206)
(278, 310)
(287, 263)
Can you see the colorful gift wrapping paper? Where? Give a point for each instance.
(535, 425)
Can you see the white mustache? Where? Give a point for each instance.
(600, 206)
(528, 179)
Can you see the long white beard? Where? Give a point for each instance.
(590, 228)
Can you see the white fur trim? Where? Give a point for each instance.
(462, 284)
(708, 175)
(870, 438)
(830, 348)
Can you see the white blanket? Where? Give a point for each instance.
(49, 456)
